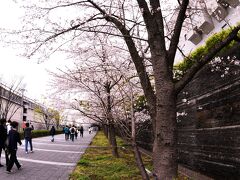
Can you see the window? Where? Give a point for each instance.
(24, 110)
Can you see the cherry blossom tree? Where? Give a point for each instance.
(49, 116)
(134, 26)
(97, 79)
(105, 78)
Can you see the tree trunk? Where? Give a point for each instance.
(164, 147)
(113, 142)
(165, 134)
(111, 130)
(105, 130)
(139, 161)
(137, 154)
(47, 124)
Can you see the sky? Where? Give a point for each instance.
(35, 76)
(15, 67)
(12, 66)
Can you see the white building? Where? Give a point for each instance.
(15, 107)
(206, 17)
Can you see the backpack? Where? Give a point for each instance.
(72, 130)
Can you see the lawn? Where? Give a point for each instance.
(98, 163)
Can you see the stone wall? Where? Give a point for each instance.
(209, 121)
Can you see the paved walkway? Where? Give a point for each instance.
(50, 160)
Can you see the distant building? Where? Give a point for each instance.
(16, 107)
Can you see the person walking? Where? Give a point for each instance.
(76, 132)
(66, 132)
(3, 139)
(90, 130)
(13, 139)
(81, 131)
(28, 138)
(52, 133)
(72, 133)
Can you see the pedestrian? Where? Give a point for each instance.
(52, 133)
(72, 133)
(3, 140)
(89, 130)
(69, 133)
(66, 132)
(9, 127)
(27, 134)
(13, 139)
(81, 131)
(76, 132)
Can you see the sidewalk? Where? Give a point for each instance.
(50, 160)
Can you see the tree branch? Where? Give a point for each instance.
(63, 32)
(138, 61)
(177, 31)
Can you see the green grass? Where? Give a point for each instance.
(98, 163)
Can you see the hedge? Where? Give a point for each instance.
(41, 133)
(197, 54)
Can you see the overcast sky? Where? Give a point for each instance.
(13, 66)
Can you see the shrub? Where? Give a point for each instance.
(196, 55)
(40, 133)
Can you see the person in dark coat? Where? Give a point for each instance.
(28, 137)
(72, 132)
(13, 139)
(81, 131)
(3, 138)
(76, 132)
(52, 133)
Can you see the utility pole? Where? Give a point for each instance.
(22, 104)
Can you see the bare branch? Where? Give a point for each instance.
(177, 31)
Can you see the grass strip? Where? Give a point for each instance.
(98, 163)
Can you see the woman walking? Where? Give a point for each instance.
(52, 133)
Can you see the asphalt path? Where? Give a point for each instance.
(49, 160)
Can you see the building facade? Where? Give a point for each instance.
(15, 106)
(204, 19)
